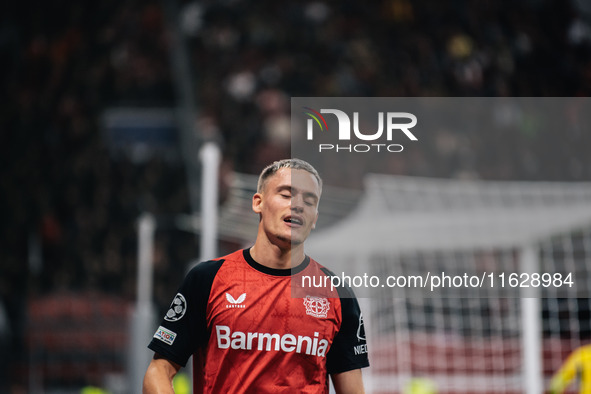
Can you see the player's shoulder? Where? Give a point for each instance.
(317, 266)
(209, 268)
(584, 353)
(343, 290)
(237, 255)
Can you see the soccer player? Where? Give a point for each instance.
(577, 365)
(238, 317)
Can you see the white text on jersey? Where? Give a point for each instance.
(267, 342)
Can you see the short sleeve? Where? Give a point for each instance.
(349, 347)
(183, 330)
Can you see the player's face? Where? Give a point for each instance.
(288, 206)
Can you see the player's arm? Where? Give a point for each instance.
(562, 378)
(349, 382)
(159, 375)
(348, 352)
(184, 329)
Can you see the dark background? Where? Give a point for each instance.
(70, 195)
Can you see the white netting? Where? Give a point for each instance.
(464, 339)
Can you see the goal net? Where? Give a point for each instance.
(518, 258)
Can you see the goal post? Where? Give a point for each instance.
(143, 317)
(531, 324)
(463, 340)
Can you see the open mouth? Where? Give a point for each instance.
(293, 220)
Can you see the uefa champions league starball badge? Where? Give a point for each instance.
(177, 308)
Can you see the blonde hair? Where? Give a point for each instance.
(294, 164)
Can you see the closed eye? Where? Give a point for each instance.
(310, 200)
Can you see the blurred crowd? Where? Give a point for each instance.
(69, 206)
(251, 57)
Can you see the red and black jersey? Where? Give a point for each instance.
(249, 334)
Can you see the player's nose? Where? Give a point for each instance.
(297, 209)
(297, 203)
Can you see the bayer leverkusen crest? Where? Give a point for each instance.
(316, 306)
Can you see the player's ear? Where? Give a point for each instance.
(315, 220)
(257, 202)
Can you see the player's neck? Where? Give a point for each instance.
(273, 256)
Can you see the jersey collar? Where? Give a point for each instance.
(274, 271)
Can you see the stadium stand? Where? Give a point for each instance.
(68, 206)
